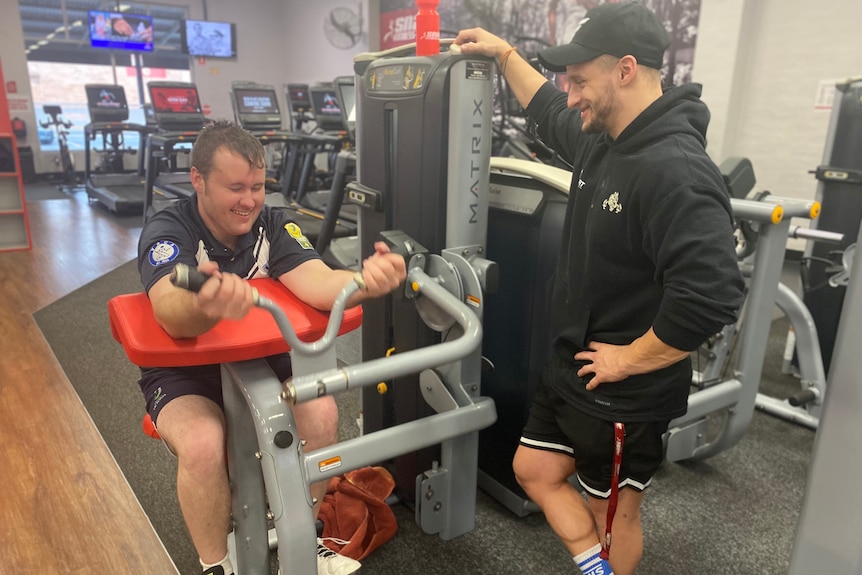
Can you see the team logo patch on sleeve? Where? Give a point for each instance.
(163, 252)
(295, 232)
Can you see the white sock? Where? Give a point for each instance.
(224, 563)
(591, 563)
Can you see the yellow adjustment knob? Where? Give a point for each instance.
(815, 210)
(777, 214)
(415, 286)
(382, 388)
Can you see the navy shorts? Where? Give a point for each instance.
(161, 385)
(554, 425)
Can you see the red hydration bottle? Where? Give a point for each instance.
(427, 28)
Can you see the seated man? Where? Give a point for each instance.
(226, 231)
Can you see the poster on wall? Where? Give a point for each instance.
(535, 24)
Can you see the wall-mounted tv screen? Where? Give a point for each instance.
(254, 101)
(174, 100)
(208, 39)
(121, 31)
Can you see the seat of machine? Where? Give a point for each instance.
(257, 335)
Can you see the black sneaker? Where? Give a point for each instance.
(215, 570)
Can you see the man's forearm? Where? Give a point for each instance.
(522, 78)
(649, 353)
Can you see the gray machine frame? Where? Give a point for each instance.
(269, 471)
(423, 140)
(692, 436)
(828, 532)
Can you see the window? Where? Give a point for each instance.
(61, 60)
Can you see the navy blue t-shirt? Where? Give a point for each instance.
(275, 245)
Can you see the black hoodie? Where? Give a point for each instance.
(648, 242)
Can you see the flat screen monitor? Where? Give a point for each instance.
(327, 110)
(257, 107)
(121, 31)
(107, 103)
(208, 39)
(176, 105)
(298, 99)
(346, 88)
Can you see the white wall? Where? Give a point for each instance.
(761, 63)
(260, 26)
(308, 57)
(791, 46)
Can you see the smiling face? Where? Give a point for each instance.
(592, 91)
(231, 196)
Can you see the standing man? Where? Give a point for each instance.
(225, 230)
(647, 271)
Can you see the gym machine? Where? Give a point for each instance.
(827, 535)
(527, 209)
(110, 183)
(839, 190)
(69, 179)
(719, 415)
(423, 137)
(180, 118)
(804, 405)
(269, 472)
(255, 108)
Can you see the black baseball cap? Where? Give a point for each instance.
(615, 29)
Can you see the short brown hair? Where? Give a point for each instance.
(222, 133)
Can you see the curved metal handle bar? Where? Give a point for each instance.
(314, 347)
(307, 387)
(186, 277)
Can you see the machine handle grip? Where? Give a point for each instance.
(189, 278)
(816, 235)
(186, 277)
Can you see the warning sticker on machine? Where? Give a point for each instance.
(478, 70)
(328, 464)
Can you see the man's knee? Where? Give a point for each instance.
(317, 422)
(537, 470)
(203, 451)
(195, 432)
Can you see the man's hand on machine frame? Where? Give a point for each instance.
(480, 41)
(382, 272)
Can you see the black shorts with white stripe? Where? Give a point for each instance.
(554, 425)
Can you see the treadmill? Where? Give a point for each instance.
(119, 189)
(344, 172)
(179, 117)
(329, 138)
(256, 109)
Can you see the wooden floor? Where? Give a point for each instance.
(65, 507)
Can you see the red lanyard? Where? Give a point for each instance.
(619, 439)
